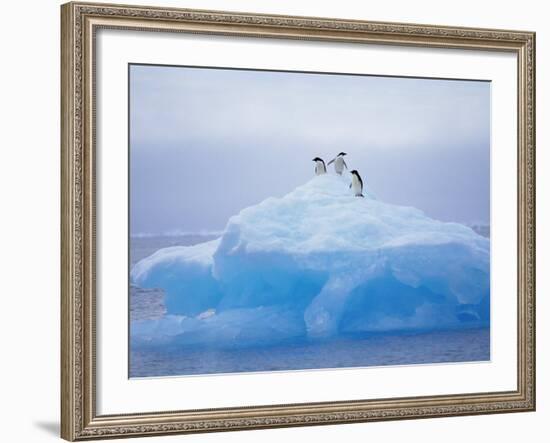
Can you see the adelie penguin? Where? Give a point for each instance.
(339, 163)
(320, 167)
(356, 184)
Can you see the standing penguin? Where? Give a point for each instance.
(320, 167)
(356, 184)
(339, 163)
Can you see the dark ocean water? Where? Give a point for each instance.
(376, 350)
(467, 345)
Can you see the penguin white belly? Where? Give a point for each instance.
(339, 165)
(320, 168)
(356, 186)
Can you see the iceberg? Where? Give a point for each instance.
(315, 263)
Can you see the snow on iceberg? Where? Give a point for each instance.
(319, 262)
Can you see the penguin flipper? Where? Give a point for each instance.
(332, 161)
(345, 164)
(350, 185)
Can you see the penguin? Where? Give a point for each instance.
(356, 184)
(320, 167)
(339, 163)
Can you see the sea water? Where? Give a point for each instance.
(355, 351)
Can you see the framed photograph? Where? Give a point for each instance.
(283, 221)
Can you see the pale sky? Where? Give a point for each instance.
(205, 143)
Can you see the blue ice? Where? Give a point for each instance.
(318, 262)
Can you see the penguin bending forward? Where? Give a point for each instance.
(320, 167)
(339, 163)
(356, 184)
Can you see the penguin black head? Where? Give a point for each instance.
(354, 172)
(342, 154)
(317, 159)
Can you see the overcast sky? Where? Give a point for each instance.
(205, 143)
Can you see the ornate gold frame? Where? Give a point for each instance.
(79, 22)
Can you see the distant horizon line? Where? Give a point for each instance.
(219, 232)
(178, 233)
